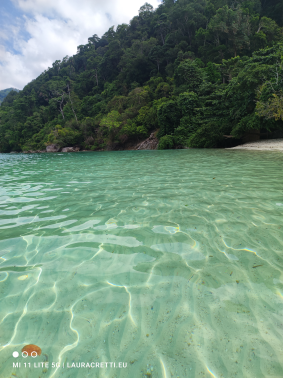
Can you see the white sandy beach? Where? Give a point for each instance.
(261, 145)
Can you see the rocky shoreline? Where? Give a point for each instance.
(151, 143)
(50, 148)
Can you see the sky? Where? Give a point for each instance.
(35, 33)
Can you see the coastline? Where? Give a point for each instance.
(151, 144)
(261, 145)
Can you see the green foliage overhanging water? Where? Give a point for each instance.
(193, 70)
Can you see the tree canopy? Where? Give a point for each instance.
(4, 93)
(194, 70)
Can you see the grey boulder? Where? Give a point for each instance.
(150, 143)
(53, 148)
(70, 149)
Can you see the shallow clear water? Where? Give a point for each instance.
(171, 261)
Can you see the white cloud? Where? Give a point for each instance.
(56, 28)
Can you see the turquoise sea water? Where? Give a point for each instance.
(169, 261)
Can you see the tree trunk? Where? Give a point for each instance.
(96, 77)
(72, 103)
(61, 108)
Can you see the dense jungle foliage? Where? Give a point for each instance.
(4, 93)
(193, 70)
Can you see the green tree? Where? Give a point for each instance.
(232, 27)
(166, 142)
(188, 73)
(168, 115)
(112, 120)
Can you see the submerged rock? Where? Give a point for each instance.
(150, 143)
(70, 149)
(53, 148)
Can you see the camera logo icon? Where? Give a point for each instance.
(31, 350)
(33, 354)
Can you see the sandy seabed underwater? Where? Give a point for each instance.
(168, 261)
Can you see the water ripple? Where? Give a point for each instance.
(175, 268)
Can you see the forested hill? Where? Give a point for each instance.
(195, 70)
(4, 93)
